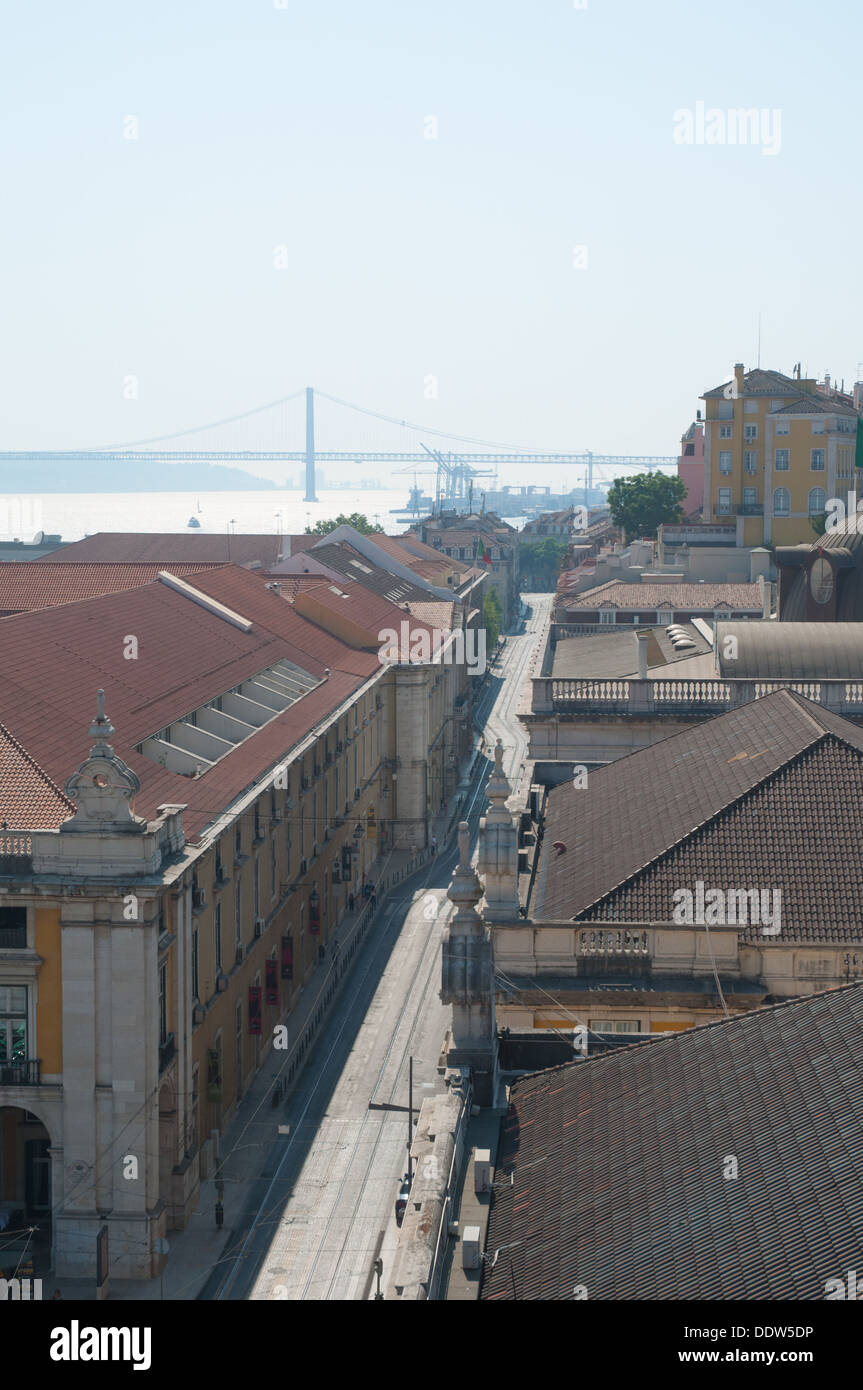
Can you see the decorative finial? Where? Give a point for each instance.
(464, 844)
(101, 728)
(498, 756)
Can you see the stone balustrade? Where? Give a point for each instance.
(682, 697)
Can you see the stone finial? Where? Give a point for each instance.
(498, 789)
(103, 788)
(464, 844)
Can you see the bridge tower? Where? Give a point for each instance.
(310, 445)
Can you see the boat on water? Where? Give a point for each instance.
(194, 523)
(418, 504)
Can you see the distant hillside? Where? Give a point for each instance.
(94, 475)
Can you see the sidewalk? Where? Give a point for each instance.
(199, 1250)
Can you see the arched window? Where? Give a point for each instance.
(781, 501)
(817, 500)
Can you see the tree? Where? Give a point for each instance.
(640, 504)
(492, 617)
(818, 522)
(356, 519)
(542, 559)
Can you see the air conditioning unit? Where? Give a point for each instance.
(221, 983)
(259, 926)
(199, 1013)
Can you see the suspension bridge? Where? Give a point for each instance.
(222, 441)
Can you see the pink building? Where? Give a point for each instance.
(690, 467)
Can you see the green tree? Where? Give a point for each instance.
(640, 504)
(818, 522)
(356, 519)
(492, 617)
(542, 559)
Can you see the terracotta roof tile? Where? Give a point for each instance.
(26, 587)
(29, 800)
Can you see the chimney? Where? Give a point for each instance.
(738, 378)
(641, 639)
(766, 595)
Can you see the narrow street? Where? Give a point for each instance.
(324, 1209)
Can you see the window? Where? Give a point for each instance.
(238, 841)
(726, 410)
(194, 965)
(817, 500)
(750, 496)
(217, 936)
(272, 868)
(257, 894)
(163, 1004)
(750, 407)
(781, 501)
(238, 915)
(783, 426)
(750, 462)
(725, 461)
(750, 433)
(723, 501)
(13, 927)
(725, 432)
(782, 460)
(607, 615)
(13, 1023)
(664, 616)
(817, 464)
(817, 426)
(615, 1025)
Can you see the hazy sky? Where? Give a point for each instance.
(304, 128)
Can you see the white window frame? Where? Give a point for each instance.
(778, 465)
(817, 467)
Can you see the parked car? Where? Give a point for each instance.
(402, 1199)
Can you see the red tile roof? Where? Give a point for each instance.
(29, 800)
(26, 587)
(55, 660)
(617, 594)
(117, 547)
(367, 610)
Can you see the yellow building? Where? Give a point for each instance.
(776, 449)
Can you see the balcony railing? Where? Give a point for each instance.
(613, 951)
(750, 509)
(22, 1073)
(13, 938)
(684, 697)
(16, 852)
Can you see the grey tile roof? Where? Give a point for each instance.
(611, 1173)
(767, 796)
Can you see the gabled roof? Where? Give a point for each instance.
(816, 405)
(115, 547)
(618, 594)
(761, 383)
(764, 797)
(29, 800)
(613, 1174)
(341, 559)
(26, 587)
(55, 660)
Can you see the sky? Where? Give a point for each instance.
(384, 200)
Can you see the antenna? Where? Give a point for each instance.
(759, 338)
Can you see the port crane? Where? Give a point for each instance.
(453, 479)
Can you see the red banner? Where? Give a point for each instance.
(254, 1008)
(287, 957)
(315, 916)
(272, 978)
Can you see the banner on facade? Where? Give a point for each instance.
(287, 957)
(254, 1008)
(272, 978)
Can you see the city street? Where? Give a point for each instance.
(324, 1210)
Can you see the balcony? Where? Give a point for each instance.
(619, 951)
(21, 1073)
(13, 938)
(750, 509)
(16, 852)
(682, 698)
(166, 1052)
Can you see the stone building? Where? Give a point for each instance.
(245, 772)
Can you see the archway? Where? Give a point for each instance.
(25, 1190)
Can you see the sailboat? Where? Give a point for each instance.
(193, 521)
